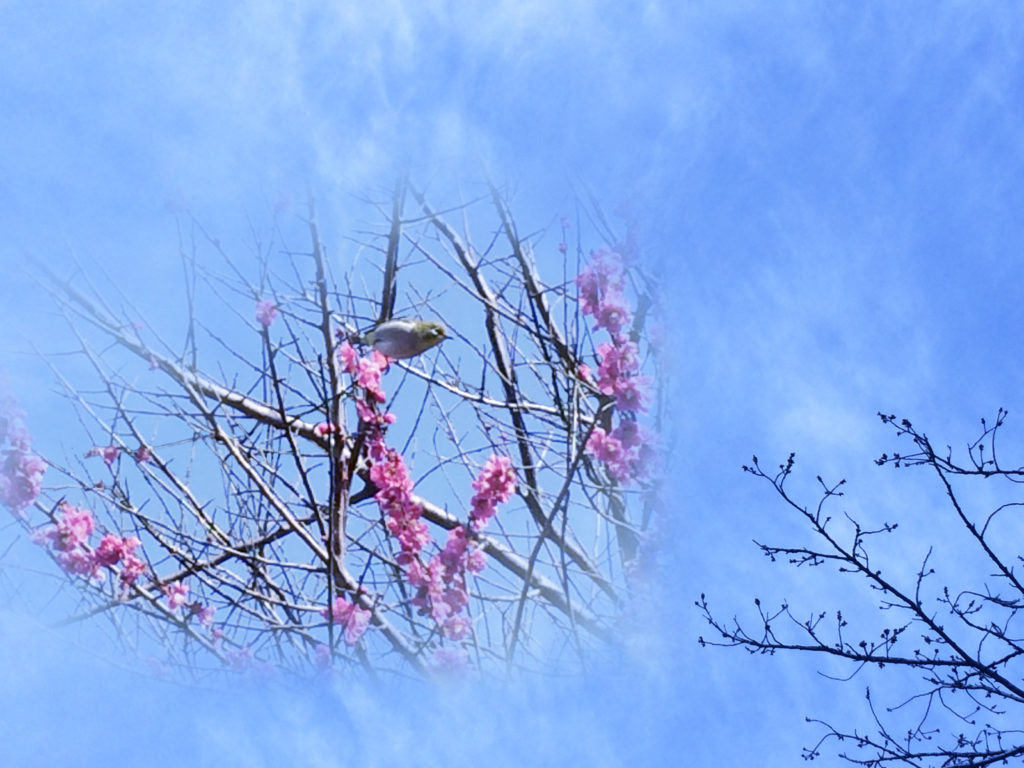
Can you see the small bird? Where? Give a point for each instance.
(405, 338)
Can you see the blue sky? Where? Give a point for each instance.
(832, 191)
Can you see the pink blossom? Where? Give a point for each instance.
(618, 363)
(21, 479)
(456, 627)
(367, 374)
(338, 610)
(68, 537)
(441, 584)
(108, 452)
(112, 548)
(358, 621)
(12, 425)
(617, 376)
(631, 395)
(376, 447)
(43, 536)
(143, 454)
(412, 533)
(177, 594)
(390, 472)
(603, 274)
(497, 480)
(325, 428)
(78, 562)
(427, 579)
(70, 531)
(204, 612)
(630, 433)
(476, 561)
(354, 619)
(609, 450)
(348, 357)
(481, 510)
(626, 451)
(131, 568)
(366, 371)
(456, 597)
(438, 609)
(368, 415)
(494, 485)
(612, 314)
(417, 575)
(266, 311)
(455, 549)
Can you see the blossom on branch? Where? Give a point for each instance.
(68, 536)
(266, 311)
(441, 584)
(601, 293)
(113, 548)
(495, 485)
(21, 471)
(354, 619)
(109, 453)
(72, 529)
(177, 594)
(205, 613)
(601, 285)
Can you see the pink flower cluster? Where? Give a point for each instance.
(109, 453)
(69, 536)
(602, 286)
(266, 311)
(177, 597)
(204, 612)
(626, 450)
(394, 497)
(177, 594)
(366, 372)
(618, 375)
(21, 471)
(495, 485)
(353, 619)
(440, 583)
